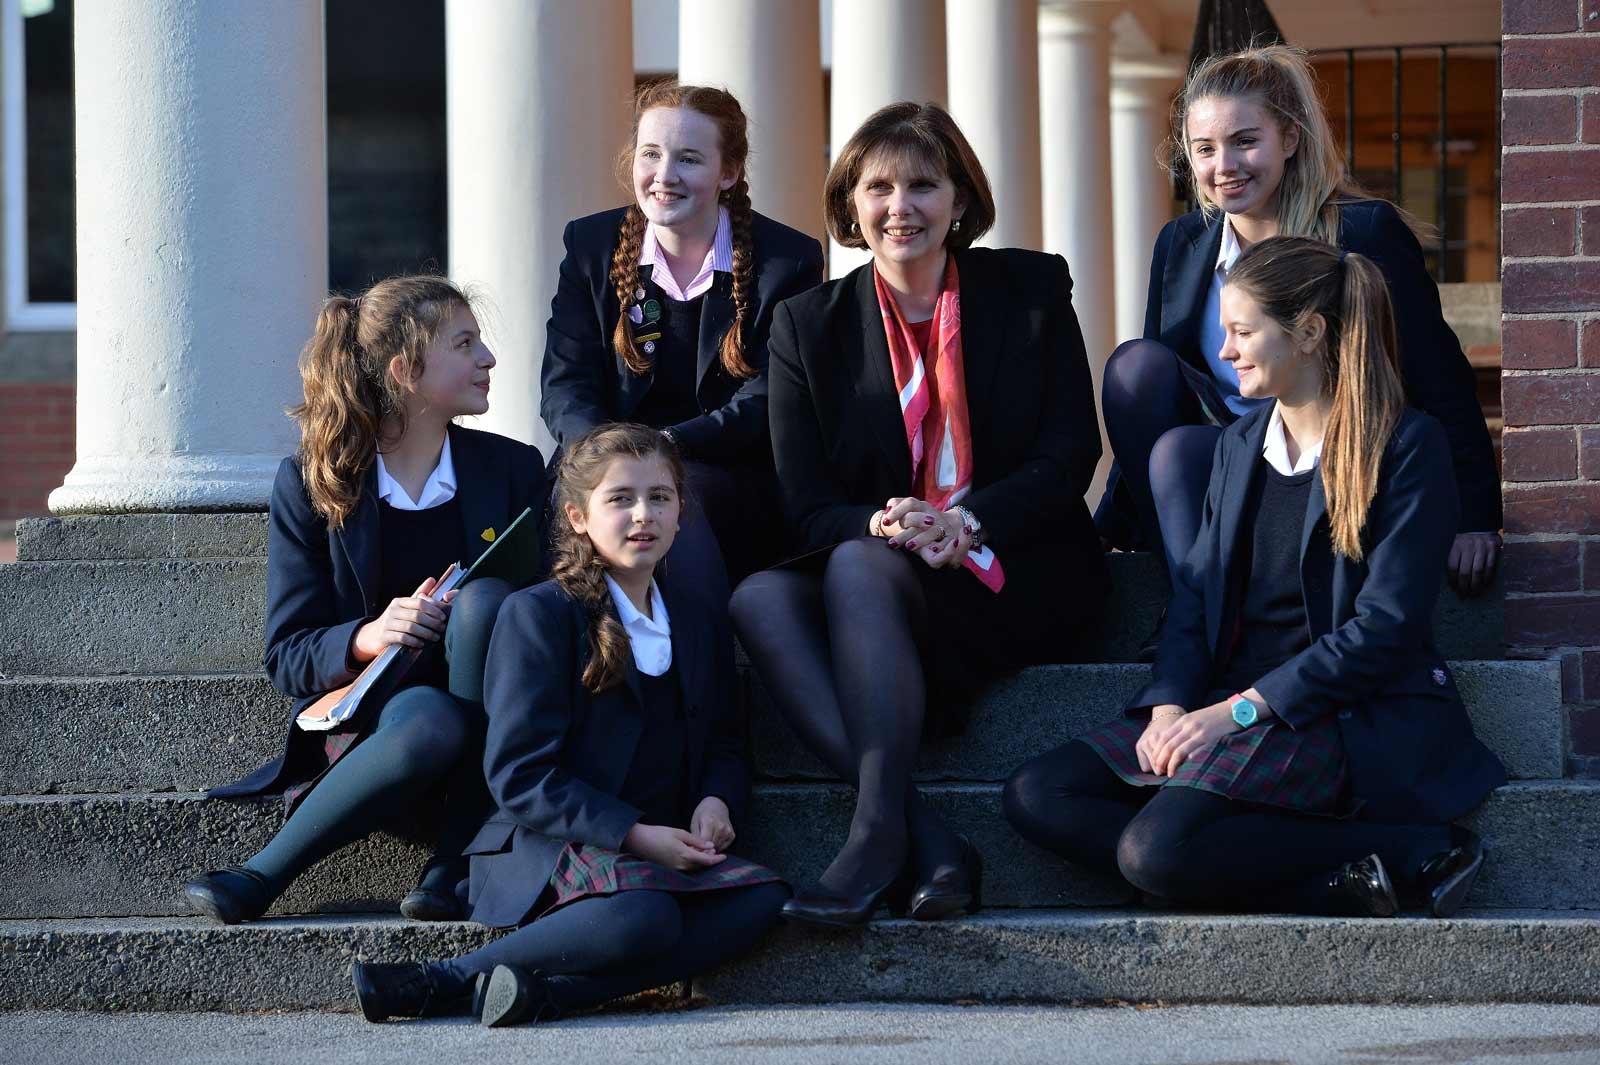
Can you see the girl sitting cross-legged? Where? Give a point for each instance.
(616, 757)
(384, 493)
(1301, 746)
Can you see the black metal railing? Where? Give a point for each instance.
(1447, 240)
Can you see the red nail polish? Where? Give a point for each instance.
(912, 546)
(928, 520)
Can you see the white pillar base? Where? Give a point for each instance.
(143, 484)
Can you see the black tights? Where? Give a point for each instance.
(1162, 442)
(615, 945)
(424, 737)
(1193, 846)
(842, 659)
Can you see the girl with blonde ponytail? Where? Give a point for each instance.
(662, 314)
(1262, 161)
(1302, 745)
(615, 756)
(384, 493)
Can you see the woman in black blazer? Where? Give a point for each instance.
(616, 759)
(1302, 745)
(1264, 163)
(934, 429)
(383, 495)
(662, 314)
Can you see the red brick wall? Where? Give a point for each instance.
(37, 430)
(1550, 191)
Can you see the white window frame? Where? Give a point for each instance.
(21, 314)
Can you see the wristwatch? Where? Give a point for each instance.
(1245, 713)
(973, 526)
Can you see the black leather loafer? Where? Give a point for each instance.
(426, 904)
(516, 996)
(403, 989)
(813, 906)
(1362, 889)
(959, 890)
(1445, 878)
(230, 894)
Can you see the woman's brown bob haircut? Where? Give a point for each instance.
(919, 137)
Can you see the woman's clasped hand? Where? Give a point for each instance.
(413, 621)
(939, 537)
(1175, 735)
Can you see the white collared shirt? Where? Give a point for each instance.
(1212, 334)
(1275, 449)
(651, 636)
(718, 257)
(440, 487)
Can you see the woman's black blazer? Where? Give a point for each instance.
(840, 442)
(584, 384)
(557, 755)
(322, 583)
(1412, 753)
(1438, 379)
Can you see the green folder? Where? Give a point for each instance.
(513, 556)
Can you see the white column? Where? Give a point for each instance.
(1075, 128)
(770, 57)
(537, 106)
(202, 242)
(883, 51)
(1141, 99)
(994, 97)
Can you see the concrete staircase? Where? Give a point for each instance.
(129, 648)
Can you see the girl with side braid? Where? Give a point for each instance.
(662, 314)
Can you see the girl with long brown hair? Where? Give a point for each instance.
(1263, 162)
(383, 494)
(662, 314)
(1301, 745)
(616, 759)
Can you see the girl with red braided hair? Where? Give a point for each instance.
(662, 314)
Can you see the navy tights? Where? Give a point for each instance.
(424, 737)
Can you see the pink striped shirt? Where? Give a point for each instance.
(720, 257)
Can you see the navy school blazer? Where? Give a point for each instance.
(1438, 379)
(584, 384)
(1412, 753)
(557, 754)
(322, 583)
(840, 441)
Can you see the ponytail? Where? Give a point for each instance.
(354, 405)
(1293, 279)
(578, 567)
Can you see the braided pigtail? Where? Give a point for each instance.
(737, 200)
(624, 280)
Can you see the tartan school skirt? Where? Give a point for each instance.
(1269, 764)
(583, 870)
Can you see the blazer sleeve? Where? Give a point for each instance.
(572, 381)
(1158, 272)
(308, 643)
(735, 429)
(726, 772)
(1411, 524)
(1182, 668)
(1438, 378)
(814, 498)
(1059, 464)
(531, 693)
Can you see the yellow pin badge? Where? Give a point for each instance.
(488, 535)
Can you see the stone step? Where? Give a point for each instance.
(126, 855)
(180, 593)
(1062, 957)
(167, 733)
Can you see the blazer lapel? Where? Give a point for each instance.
(1235, 496)
(716, 317)
(874, 383)
(1184, 288)
(360, 538)
(1316, 513)
(484, 490)
(982, 339)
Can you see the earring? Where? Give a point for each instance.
(955, 227)
(855, 227)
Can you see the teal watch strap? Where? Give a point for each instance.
(1245, 713)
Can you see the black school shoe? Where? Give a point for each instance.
(1444, 879)
(406, 989)
(511, 995)
(230, 894)
(426, 904)
(1362, 889)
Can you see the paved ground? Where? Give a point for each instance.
(859, 1035)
